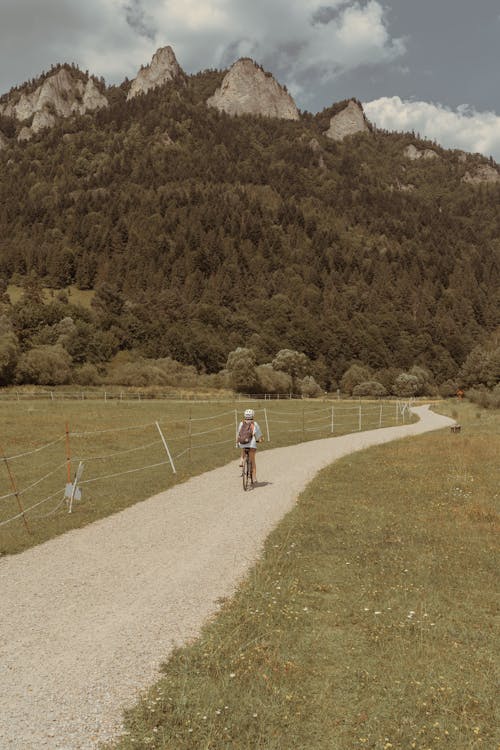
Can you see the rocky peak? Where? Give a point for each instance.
(413, 153)
(482, 173)
(163, 68)
(249, 90)
(60, 95)
(349, 121)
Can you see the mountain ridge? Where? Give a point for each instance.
(163, 69)
(168, 209)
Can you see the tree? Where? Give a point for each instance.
(369, 388)
(32, 289)
(87, 374)
(108, 303)
(294, 363)
(405, 385)
(9, 353)
(425, 383)
(309, 387)
(482, 367)
(44, 365)
(352, 377)
(273, 381)
(241, 366)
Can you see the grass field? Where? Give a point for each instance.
(371, 620)
(117, 440)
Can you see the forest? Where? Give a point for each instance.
(203, 235)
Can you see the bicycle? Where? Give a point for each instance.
(247, 471)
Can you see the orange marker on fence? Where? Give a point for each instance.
(15, 491)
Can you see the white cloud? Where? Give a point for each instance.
(296, 39)
(304, 43)
(193, 15)
(363, 37)
(463, 128)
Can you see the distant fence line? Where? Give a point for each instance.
(78, 449)
(126, 395)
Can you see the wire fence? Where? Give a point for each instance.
(90, 466)
(41, 394)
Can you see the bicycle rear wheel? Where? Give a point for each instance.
(247, 472)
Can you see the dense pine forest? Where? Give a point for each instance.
(202, 233)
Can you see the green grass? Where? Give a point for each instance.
(371, 620)
(28, 425)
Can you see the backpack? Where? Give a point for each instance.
(246, 433)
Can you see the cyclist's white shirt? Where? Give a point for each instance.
(257, 434)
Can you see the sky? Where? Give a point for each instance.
(430, 66)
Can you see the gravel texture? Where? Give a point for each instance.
(87, 618)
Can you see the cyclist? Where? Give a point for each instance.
(248, 424)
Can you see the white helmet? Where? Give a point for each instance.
(249, 414)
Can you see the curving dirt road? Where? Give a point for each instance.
(87, 618)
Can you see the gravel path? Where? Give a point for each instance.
(87, 618)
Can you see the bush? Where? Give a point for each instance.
(352, 377)
(387, 376)
(405, 385)
(309, 387)
(139, 374)
(273, 381)
(129, 370)
(369, 388)
(425, 384)
(44, 365)
(9, 352)
(87, 374)
(486, 399)
(481, 368)
(448, 388)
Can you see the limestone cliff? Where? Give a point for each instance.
(482, 173)
(413, 153)
(60, 95)
(349, 121)
(248, 90)
(163, 68)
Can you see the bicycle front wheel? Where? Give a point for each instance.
(247, 472)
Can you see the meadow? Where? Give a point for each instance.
(371, 620)
(46, 435)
